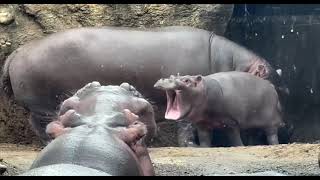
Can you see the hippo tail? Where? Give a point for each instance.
(5, 83)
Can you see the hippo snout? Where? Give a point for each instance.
(169, 84)
(165, 84)
(158, 84)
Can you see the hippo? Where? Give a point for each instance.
(42, 73)
(99, 131)
(229, 100)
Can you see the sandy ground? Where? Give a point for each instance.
(293, 159)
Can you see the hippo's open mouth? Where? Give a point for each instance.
(175, 108)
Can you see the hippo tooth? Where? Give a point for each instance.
(279, 71)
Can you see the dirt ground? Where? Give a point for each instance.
(293, 159)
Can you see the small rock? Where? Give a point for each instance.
(3, 169)
(6, 16)
(8, 43)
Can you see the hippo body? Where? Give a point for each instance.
(93, 148)
(99, 131)
(42, 73)
(230, 100)
(64, 170)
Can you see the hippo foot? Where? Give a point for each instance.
(272, 136)
(192, 144)
(234, 136)
(185, 135)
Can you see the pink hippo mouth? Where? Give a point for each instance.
(175, 108)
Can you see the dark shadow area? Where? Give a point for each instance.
(287, 36)
(241, 10)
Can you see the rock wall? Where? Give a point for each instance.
(20, 23)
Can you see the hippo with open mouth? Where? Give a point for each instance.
(230, 100)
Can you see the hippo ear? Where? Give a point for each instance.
(131, 88)
(198, 78)
(55, 129)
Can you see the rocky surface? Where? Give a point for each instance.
(279, 160)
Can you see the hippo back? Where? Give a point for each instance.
(64, 170)
(93, 148)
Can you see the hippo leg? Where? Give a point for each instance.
(39, 123)
(272, 136)
(234, 136)
(185, 135)
(205, 137)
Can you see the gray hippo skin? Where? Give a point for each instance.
(64, 170)
(42, 73)
(230, 100)
(97, 133)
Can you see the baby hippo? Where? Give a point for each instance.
(99, 131)
(230, 100)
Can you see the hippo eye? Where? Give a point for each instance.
(186, 81)
(65, 109)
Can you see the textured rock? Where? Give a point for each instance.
(53, 18)
(6, 15)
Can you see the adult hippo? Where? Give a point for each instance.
(228, 100)
(97, 133)
(42, 73)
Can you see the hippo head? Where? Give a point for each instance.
(184, 95)
(118, 112)
(113, 107)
